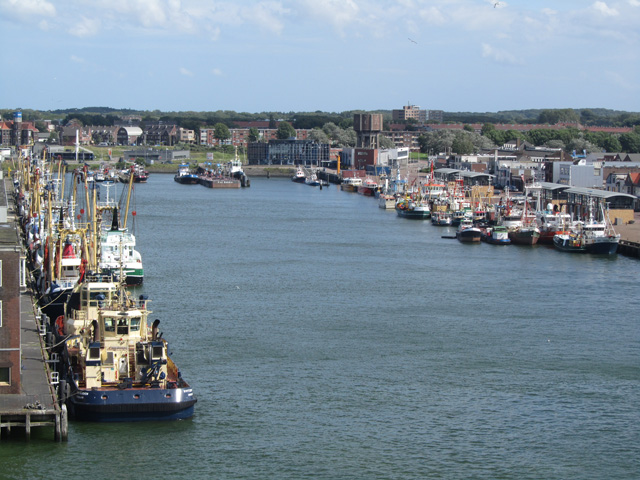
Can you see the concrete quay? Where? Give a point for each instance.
(27, 388)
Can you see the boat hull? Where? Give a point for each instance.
(469, 236)
(224, 182)
(131, 404)
(567, 243)
(186, 179)
(524, 237)
(602, 248)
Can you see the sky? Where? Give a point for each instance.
(320, 55)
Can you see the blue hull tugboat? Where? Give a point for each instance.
(116, 366)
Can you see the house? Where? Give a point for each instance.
(129, 135)
(632, 184)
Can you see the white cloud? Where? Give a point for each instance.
(27, 9)
(634, 3)
(217, 72)
(76, 59)
(338, 13)
(603, 8)
(185, 72)
(432, 16)
(499, 55)
(86, 27)
(267, 15)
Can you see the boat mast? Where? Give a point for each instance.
(126, 210)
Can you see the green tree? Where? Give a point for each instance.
(254, 135)
(630, 142)
(318, 136)
(285, 130)
(468, 128)
(611, 144)
(221, 132)
(487, 128)
(462, 144)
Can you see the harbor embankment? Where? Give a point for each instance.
(28, 399)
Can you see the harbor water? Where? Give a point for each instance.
(326, 338)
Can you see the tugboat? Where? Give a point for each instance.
(185, 176)
(116, 366)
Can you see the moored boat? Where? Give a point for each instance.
(525, 235)
(115, 366)
(496, 235)
(569, 242)
(299, 176)
(350, 184)
(185, 176)
(216, 178)
(441, 218)
(368, 187)
(415, 209)
(467, 232)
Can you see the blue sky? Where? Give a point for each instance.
(328, 55)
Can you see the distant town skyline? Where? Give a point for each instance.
(321, 55)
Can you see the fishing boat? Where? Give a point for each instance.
(299, 176)
(185, 176)
(368, 187)
(140, 175)
(467, 232)
(118, 255)
(441, 218)
(569, 242)
(386, 201)
(350, 184)
(496, 235)
(525, 235)
(527, 232)
(552, 223)
(234, 169)
(115, 366)
(415, 209)
(312, 180)
(598, 236)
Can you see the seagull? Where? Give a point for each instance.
(496, 4)
(412, 40)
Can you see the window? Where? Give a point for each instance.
(123, 327)
(94, 353)
(5, 376)
(135, 324)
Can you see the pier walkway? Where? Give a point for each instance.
(36, 405)
(27, 400)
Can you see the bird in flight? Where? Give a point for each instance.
(412, 40)
(496, 4)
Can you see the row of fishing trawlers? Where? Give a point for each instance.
(110, 359)
(511, 220)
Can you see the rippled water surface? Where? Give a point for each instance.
(326, 338)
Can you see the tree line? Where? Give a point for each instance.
(467, 141)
